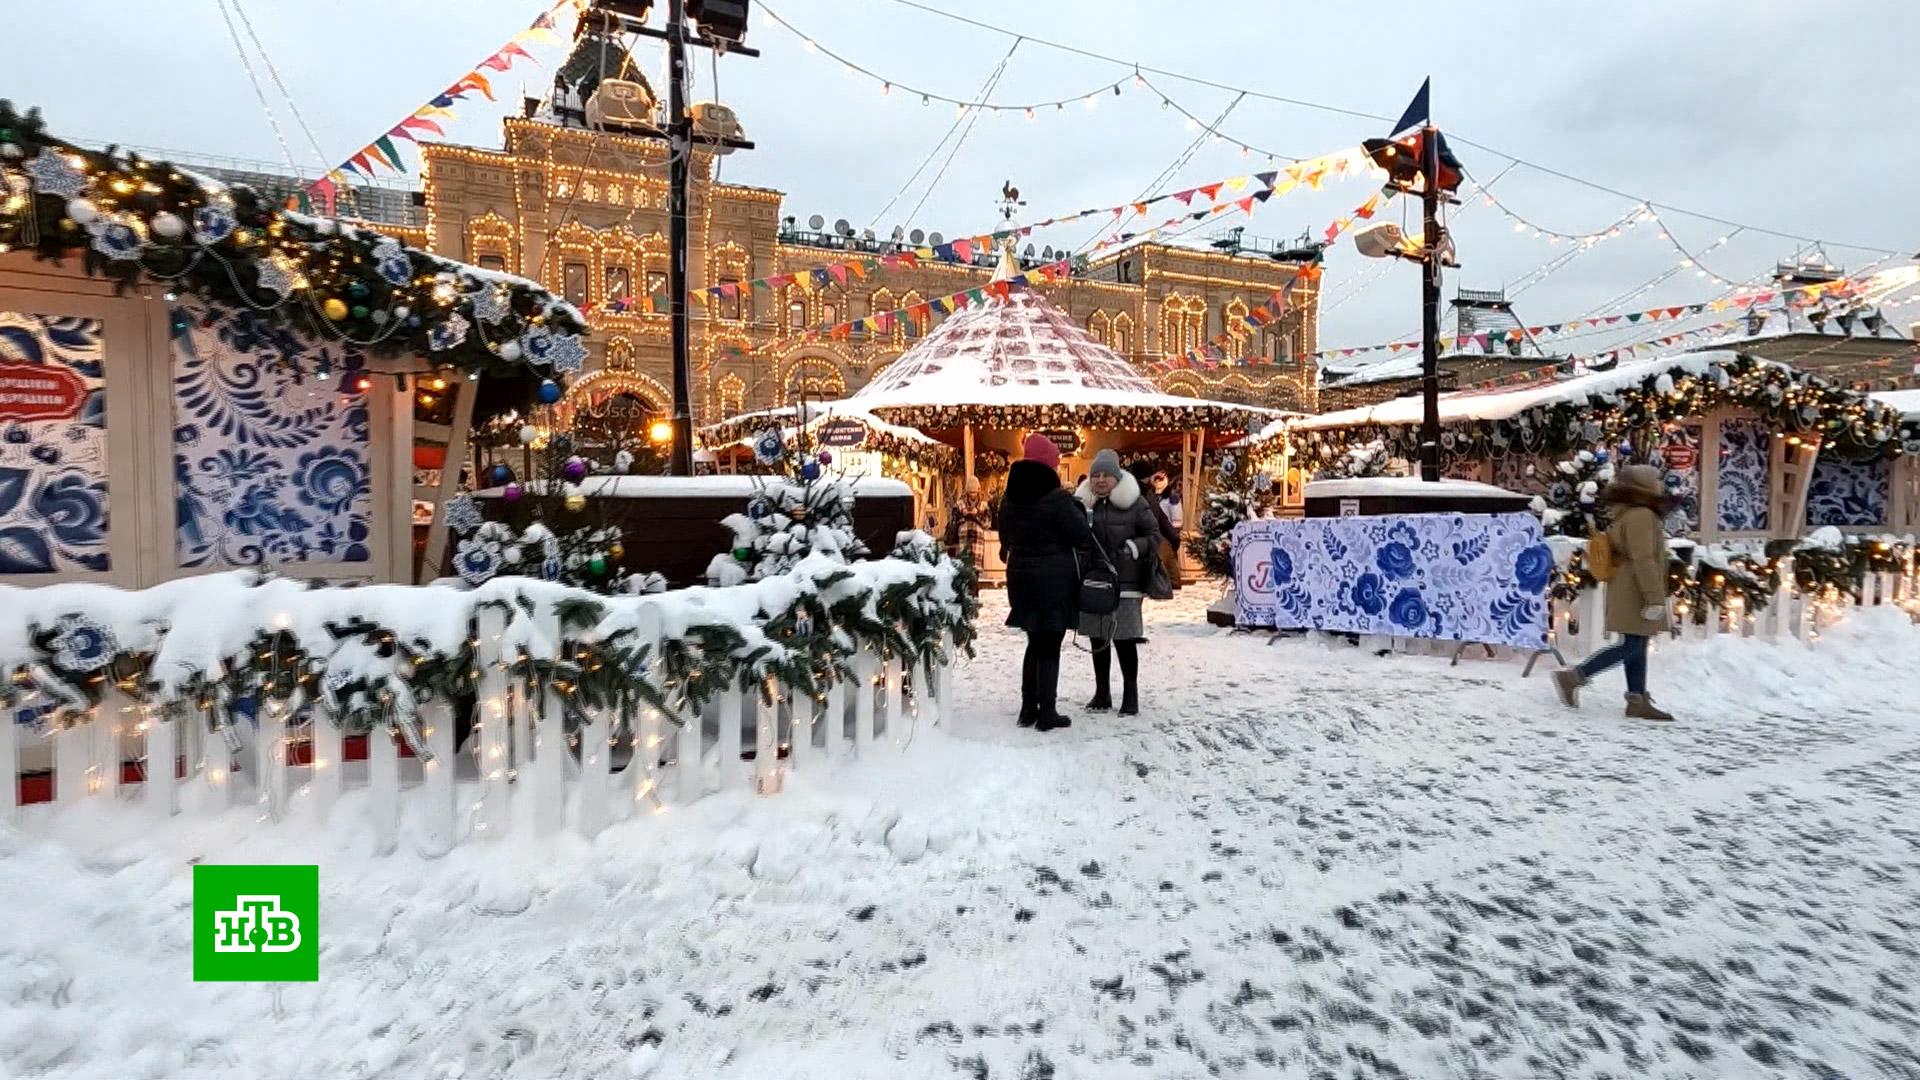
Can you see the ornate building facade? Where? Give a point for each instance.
(584, 212)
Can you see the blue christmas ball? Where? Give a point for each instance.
(413, 322)
(499, 474)
(549, 391)
(810, 471)
(1599, 457)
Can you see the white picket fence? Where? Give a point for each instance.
(518, 754)
(1579, 627)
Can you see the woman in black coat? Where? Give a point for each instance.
(1128, 532)
(1042, 529)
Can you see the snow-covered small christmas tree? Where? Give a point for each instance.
(1361, 460)
(1230, 501)
(1571, 505)
(795, 513)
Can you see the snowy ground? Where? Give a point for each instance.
(1301, 861)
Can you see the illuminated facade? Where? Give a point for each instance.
(584, 213)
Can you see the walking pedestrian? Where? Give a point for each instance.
(1042, 533)
(1126, 532)
(1153, 486)
(1636, 589)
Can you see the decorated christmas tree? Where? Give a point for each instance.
(798, 510)
(1571, 505)
(1230, 501)
(1362, 460)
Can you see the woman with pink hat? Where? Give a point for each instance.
(1042, 532)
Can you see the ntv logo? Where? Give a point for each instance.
(256, 923)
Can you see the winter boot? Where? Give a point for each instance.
(1567, 682)
(1051, 721)
(1641, 707)
(1028, 715)
(1102, 700)
(1129, 701)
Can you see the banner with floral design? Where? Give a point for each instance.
(1448, 577)
(53, 444)
(271, 461)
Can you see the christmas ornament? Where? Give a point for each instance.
(758, 509)
(743, 554)
(826, 457)
(274, 278)
(512, 493)
(798, 513)
(116, 239)
(598, 565)
(359, 311)
(334, 308)
(577, 502)
(357, 290)
(617, 549)
(445, 335)
(82, 211)
(390, 262)
(509, 352)
(528, 433)
(489, 304)
(810, 471)
(53, 174)
(461, 513)
(81, 643)
(574, 469)
(623, 461)
(769, 447)
(549, 391)
(167, 225)
(499, 474)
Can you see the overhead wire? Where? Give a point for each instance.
(986, 87)
(259, 93)
(971, 116)
(1362, 114)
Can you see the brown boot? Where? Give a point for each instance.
(1641, 707)
(1568, 681)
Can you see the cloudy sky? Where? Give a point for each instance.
(1790, 117)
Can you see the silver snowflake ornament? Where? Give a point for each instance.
(53, 174)
(274, 278)
(489, 304)
(561, 352)
(462, 514)
(391, 263)
(448, 334)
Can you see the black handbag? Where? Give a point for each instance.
(1099, 585)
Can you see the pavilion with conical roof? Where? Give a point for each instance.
(1013, 364)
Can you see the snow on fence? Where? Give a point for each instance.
(1579, 626)
(204, 693)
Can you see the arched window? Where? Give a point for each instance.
(733, 395)
(1122, 341)
(1233, 320)
(796, 316)
(883, 303)
(1183, 324)
(1100, 327)
(816, 378)
(619, 355)
(912, 324)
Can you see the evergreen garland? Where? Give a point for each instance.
(130, 217)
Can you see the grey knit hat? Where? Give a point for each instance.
(1105, 462)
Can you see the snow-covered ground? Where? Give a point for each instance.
(1301, 860)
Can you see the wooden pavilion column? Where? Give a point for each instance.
(433, 564)
(966, 453)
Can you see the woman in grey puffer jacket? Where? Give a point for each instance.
(1128, 533)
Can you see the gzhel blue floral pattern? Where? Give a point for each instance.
(53, 473)
(1746, 458)
(1454, 577)
(271, 463)
(1848, 492)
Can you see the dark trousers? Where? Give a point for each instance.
(1629, 652)
(1129, 654)
(1040, 672)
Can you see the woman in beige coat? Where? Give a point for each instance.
(1637, 594)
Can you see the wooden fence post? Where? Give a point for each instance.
(383, 788)
(495, 728)
(437, 775)
(595, 748)
(161, 787)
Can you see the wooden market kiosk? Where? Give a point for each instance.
(957, 405)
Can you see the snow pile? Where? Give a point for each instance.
(1300, 860)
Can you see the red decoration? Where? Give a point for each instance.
(40, 392)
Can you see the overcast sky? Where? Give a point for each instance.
(1779, 115)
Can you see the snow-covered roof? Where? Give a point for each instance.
(1354, 487)
(746, 425)
(1504, 404)
(1904, 402)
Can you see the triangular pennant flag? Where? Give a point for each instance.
(512, 49)
(821, 279)
(478, 81)
(838, 272)
(1266, 178)
(441, 101)
(700, 296)
(1246, 204)
(418, 121)
(497, 62)
(978, 296)
(1185, 197)
(386, 146)
(1238, 183)
(963, 249)
(729, 289)
(1633, 316)
(1211, 191)
(359, 162)
(860, 269)
(1675, 312)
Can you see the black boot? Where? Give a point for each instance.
(1129, 677)
(1028, 715)
(1102, 676)
(1052, 721)
(1129, 702)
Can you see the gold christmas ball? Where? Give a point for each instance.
(798, 513)
(576, 502)
(335, 308)
(617, 549)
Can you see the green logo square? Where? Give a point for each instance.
(256, 924)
